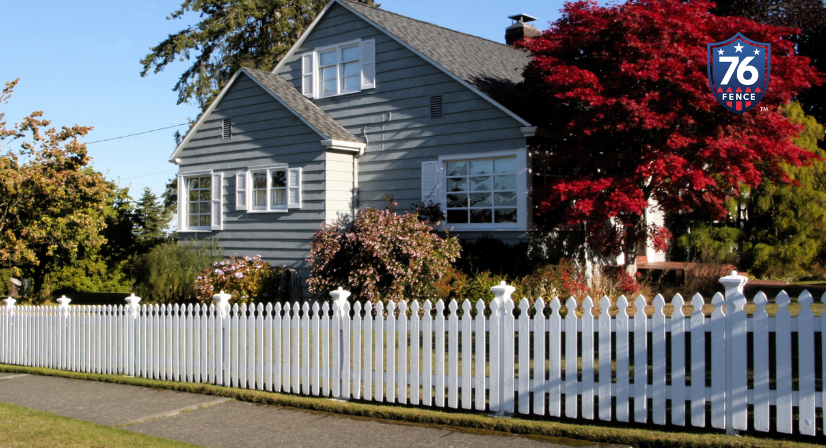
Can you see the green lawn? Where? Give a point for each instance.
(24, 427)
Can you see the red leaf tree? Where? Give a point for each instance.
(622, 92)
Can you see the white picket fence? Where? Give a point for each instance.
(510, 361)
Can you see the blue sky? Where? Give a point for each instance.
(79, 63)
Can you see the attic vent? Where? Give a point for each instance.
(436, 108)
(226, 128)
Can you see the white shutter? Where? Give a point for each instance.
(368, 64)
(181, 203)
(294, 188)
(217, 213)
(241, 190)
(430, 182)
(307, 74)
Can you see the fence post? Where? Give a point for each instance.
(736, 344)
(222, 351)
(6, 346)
(339, 299)
(132, 333)
(501, 294)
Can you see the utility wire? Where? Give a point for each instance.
(139, 133)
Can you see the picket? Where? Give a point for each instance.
(427, 357)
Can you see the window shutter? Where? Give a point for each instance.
(430, 182)
(217, 187)
(307, 74)
(294, 188)
(241, 190)
(181, 202)
(368, 64)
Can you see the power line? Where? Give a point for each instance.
(139, 133)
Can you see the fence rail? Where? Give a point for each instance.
(726, 370)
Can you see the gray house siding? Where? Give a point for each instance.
(400, 142)
(264, 132)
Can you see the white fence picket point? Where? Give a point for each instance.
(495, 357)
(197, 336)
(238, 366)
(357, 347)
(480, 336)
(658, 395)
(305, 348)
(640, 361)
(378, 365)
(604, 344)
(806, 365)
(571, 355)
(345, 350)
(265, 340)
(453, 356)
(415, 353)
(555, 358)
(587, 355)
(508, 396)
(783, 347)
(278, 338)
(367, 330)
(286, 347)
(523, 383)
(760, 347)
(325, 349)
(718, 363)
(241, 336)
(315, 372)
(439, 330)
(623, 385)
(678, 365)
(427, 355)
(402, 338)
(252, 347)
(390, 352)
(467, 355)
(698, 362)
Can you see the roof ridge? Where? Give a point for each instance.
(428, 23)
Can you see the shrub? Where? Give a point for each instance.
(561, 280)
(168, 272)
(380, 256)
(245, 279)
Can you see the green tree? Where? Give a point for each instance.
(51, 202)
(151, 218)
(231, 34)
(775, 230)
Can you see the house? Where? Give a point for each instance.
(367, 103)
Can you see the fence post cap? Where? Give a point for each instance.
(10, 302)
(222, 303)
(64, 301)
(133, 301)
(734, 280)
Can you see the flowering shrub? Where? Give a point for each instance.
(245, 278)
(626, 283)
(562, 280)
(380, 256)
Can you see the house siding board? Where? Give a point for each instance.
(404, 82)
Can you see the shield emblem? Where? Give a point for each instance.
(738, 72)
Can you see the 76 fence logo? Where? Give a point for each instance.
(738, 72)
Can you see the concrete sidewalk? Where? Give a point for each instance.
(223, 422)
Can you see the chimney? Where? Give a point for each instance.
(520, 29)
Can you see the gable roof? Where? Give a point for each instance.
(472, 58)
(331, 131)
(489, 68)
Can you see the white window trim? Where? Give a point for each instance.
(248, 190)
(183, 200)
(522, 191)
(315, 81)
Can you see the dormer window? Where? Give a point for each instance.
(339, 69)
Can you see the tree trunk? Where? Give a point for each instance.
(633, 235)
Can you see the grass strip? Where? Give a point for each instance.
(25, 427)
(601, 432)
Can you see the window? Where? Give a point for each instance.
(339, 69)
(479, 192)
(200, 204)
(270, 189)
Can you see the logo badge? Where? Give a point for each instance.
(738, 72)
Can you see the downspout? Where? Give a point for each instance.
(356, 158)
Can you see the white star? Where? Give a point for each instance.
(739, 48)
(720, 51)
(756, 52)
